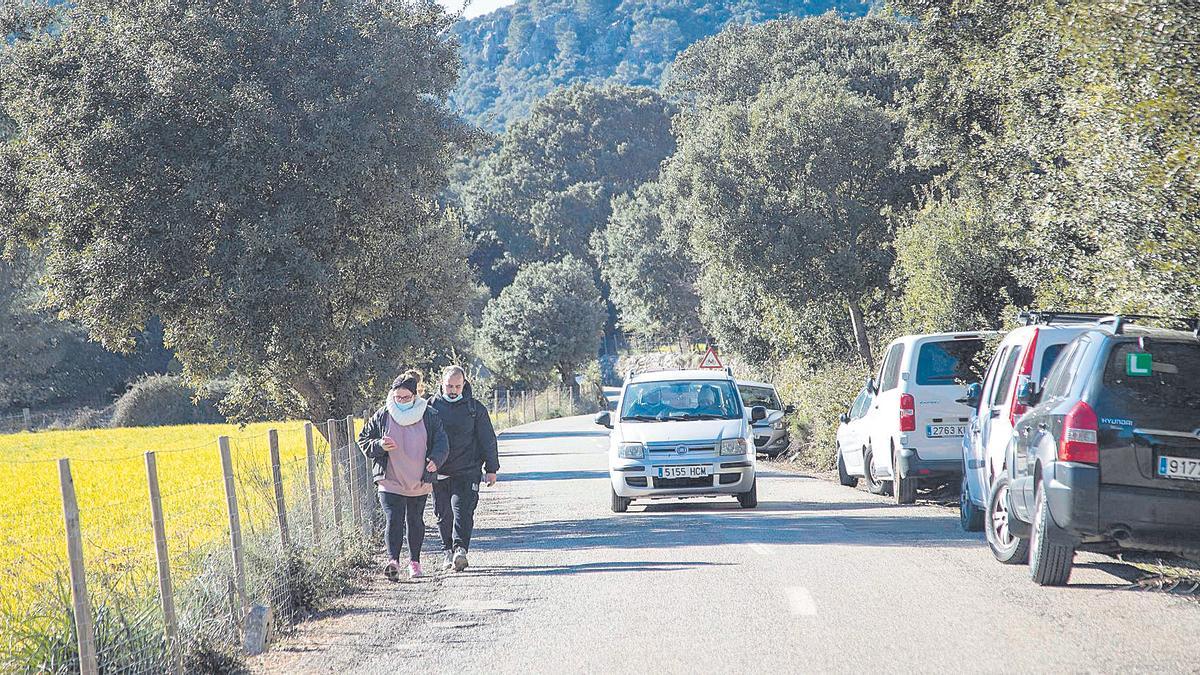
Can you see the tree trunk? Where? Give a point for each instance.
(860, 332)
(568, 380)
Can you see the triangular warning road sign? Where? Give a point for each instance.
(710, 360)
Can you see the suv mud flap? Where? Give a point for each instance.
(1073, 495)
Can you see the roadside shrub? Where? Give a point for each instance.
(161, 400)
(820, 395)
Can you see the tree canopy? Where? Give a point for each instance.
(259, 176)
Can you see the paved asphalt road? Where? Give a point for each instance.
(818, 578)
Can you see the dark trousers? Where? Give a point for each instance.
(454, 502)
(404, 514)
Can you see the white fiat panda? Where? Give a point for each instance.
(681, 433)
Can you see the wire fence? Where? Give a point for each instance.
(512, 408)
(200, 557)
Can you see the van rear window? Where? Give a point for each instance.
(1049, 357)
(948, 362)
(1171, 381)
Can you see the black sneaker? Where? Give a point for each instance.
(460, 560)
(392, 570)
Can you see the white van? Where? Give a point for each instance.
(914, 425)
(681, 433)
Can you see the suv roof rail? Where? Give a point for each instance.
(729, 370)
(1118, 321)
(629, 374)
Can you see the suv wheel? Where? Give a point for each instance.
(904, 490)
(619, 504)
(749, 499)
(843, 477)
(1049, 563)
(874, 485)
(969, 515)
(1007, 547)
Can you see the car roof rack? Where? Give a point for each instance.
(1043, 317)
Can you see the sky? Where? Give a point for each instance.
(477, 6)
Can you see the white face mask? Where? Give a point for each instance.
(452, 399)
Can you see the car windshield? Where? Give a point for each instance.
(764, 396)
(948, 362)
(680, 400)
(1159, 376)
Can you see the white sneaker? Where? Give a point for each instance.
(460, 560)
(448, 563)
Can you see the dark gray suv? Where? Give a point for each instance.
(1108, 457)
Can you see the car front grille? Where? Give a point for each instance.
(760, 441)
(694, 449)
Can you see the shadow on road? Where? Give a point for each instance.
(704, 525)
(584, 568)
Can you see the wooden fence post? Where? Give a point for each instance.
(354, 486)
(28, 419)
(277, 479)
(166, 590)
(332, 434)
(508, 407)
(310, 454)
(524, 407)
(84, 630)
(235, 524)
(495, 401)
(364, 480)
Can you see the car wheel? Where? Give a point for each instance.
(619, 504)
(969, 515)
(749, 499)
(1006, 547)
(843, 477)
(874, 485)
(1049, 563)
(904, 490)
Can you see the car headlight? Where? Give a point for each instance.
(777, 425)
(631, 451)
(733, 446)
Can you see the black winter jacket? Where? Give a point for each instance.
(472, 438)
(370, 440)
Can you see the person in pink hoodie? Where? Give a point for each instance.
(405, 443)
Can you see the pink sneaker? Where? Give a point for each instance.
(414, 570)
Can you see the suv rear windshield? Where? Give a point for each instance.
(764, 396)
(680, 400)
(948, 362)
(1172, 382)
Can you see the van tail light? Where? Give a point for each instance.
(908, 413)
(1025, 374)
(1079, 436)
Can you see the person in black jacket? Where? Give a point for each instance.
(405, 444)
(472, 449)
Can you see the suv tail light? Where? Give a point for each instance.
(1079, 433)
(908, 413)
(1025, 374)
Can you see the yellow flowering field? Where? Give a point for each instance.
(109, 471)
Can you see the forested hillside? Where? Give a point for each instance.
(514, 56)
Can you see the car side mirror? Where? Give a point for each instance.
(1029, 394)
(604, 419)
(845, 418)
(871, 387)
(971, 398)
(758, 413)
(790, 409)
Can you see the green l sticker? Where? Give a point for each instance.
(1139, 364)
